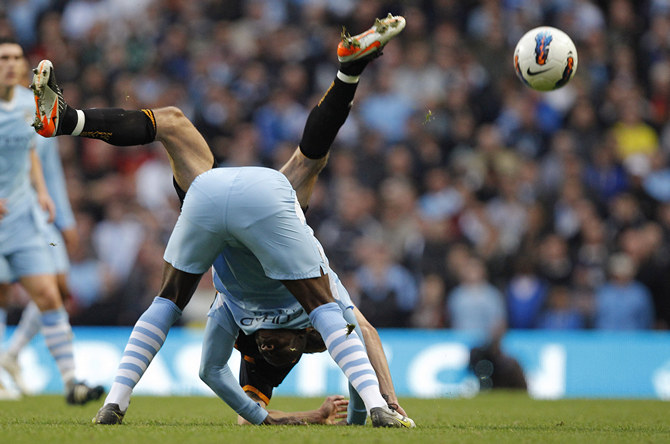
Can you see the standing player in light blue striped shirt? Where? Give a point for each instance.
(24, 254)
(61, 236)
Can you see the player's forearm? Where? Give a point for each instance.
(379, 362)
(373, 346)
(279, 418)
(308, 417)
(332, 411)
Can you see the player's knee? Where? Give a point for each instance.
(4, 294)
(205, 374)
(46, 297)
(168, 120)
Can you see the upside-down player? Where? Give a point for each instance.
(247, 222)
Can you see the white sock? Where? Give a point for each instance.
(348, 352)
(29, 325)
(145, 341)
(347, 78)
(58, 337)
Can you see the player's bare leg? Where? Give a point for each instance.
(178, 286)
(146, 340)
(303, 172)
(43, 290)
(187, 150)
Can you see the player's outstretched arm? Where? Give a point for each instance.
(214, 371)
(333, 411)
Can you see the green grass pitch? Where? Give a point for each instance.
(488, 418)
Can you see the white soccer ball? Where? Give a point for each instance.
(545, 58)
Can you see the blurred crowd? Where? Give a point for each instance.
(455, 197)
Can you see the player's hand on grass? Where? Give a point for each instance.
(334, 410)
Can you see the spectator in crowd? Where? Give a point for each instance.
(388, 292)
(429, 312)
(561, 313)
(475, 305)
(525, 295)
(623, 303)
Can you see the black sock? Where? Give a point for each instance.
(115, 126)
(326, 118)
(68, 121)
(356, 67)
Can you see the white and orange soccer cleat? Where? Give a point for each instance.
(49, 102)
(371, 41)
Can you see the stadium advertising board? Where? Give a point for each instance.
(424, 363)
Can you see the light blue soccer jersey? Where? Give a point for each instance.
(253, 309)
(17, 137)
(22, 242)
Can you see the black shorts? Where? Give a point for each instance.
(256, 374)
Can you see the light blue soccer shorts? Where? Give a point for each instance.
(250, 208)
(24, 249)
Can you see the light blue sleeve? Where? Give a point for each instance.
(47, 149)
(214, 371)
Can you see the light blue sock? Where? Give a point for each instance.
(348, 352)
(356, 412)
(145, 341)
(58, 337)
